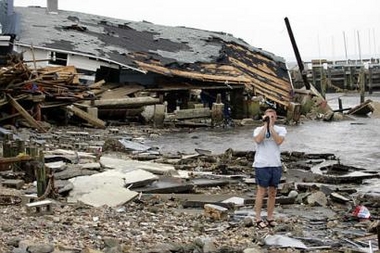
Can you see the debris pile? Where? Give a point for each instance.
(139, 200)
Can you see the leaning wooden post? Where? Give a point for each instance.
(41, 175)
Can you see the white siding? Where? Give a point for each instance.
(80, 62)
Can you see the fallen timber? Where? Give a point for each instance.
(124, 102)
(363, 109)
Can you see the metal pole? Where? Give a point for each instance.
(298, 56)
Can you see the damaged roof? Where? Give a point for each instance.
(170, 51)
(114, 38)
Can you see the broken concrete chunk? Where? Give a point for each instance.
(216, 212)
(139, 178)
(106, 188)
(126, 165)
(91, 166)
(108, 195)
(317, 198)
(14, 183)
(237, 201)
(56, 166)
(167, 185)
(130, 145)
(284, 241)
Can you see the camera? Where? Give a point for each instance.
(266, 119)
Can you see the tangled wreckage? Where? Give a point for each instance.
(102, 69)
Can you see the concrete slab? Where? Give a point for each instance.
(204, 182)
(235, 200)
(91, 166)
(131, 145)
(108, 195)
(71, 154)
(139, 178)
(13, 183)
(60, 165)
(168, 185)
(126, 165)
(189, 174)
(284, 242)
(199, 200)
(106, 188)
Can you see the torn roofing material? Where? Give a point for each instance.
(104, 37)
(193, 54)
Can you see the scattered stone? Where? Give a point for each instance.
(317, 198)
(216, 212)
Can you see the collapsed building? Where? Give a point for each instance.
(178, 66)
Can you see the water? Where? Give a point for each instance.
(354, 142)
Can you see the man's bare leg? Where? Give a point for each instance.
(260, 193)
(272, 192)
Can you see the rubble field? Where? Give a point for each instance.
(112, 193)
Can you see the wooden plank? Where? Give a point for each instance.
(273, 78)
(362, 109)
(25, 114)
(273, 96)
(86, 116)
(193, 113)
(272, 89)
(6, 160)
(97, 85)
(9, 116)
(192, 75)
(124, 102)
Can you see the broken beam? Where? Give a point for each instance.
(86, 116)
(25, 114)
(124, 102)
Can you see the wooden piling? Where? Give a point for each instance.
(351, 78)
(362, 84)
(41, 175)
(217, 111)
(370, 79)
(323, 82)
(345, 78)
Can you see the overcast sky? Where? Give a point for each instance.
(319, 27)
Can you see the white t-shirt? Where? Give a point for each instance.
(268, 152)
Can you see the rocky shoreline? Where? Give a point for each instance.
(314, 210)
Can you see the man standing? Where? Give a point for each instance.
(267, 164)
